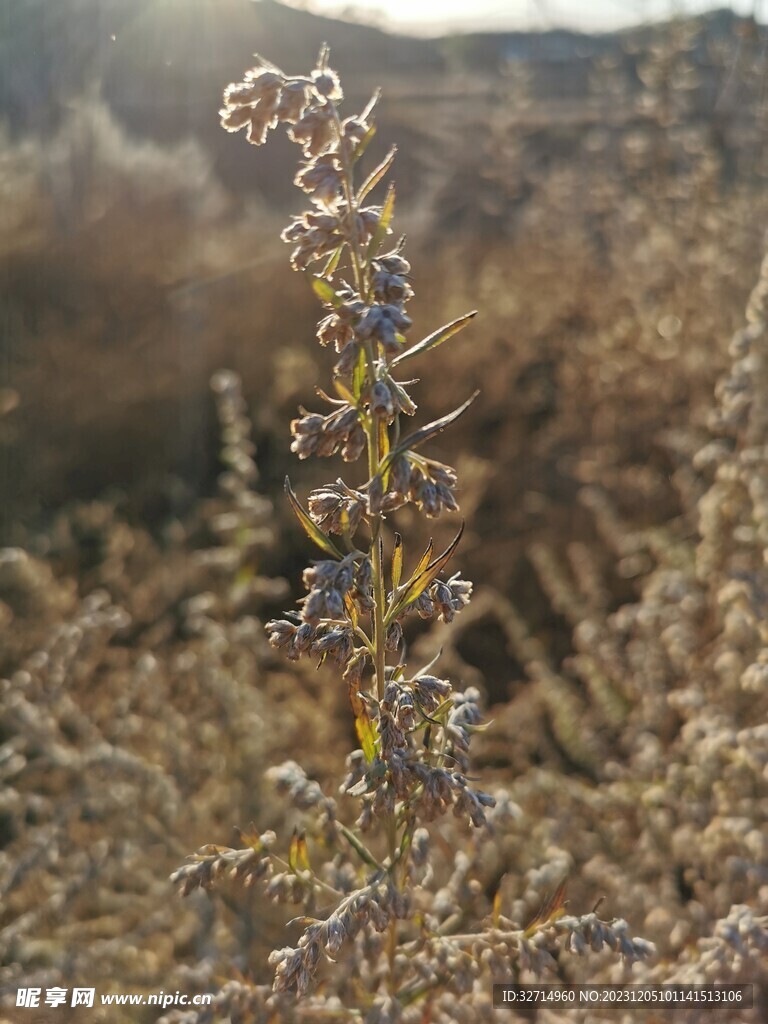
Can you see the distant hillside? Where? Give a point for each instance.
(160, 66)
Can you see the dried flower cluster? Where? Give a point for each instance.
(414, 729)
(130, 717)
(670, 697)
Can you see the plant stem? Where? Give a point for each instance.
(360, 271)
(361, 274)
(315, 880)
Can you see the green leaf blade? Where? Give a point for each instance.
(325, 291)
(382, 227)
(397, 561)
(419, 582)
(333, 261)
(358, 375)
(311, 529)
(376, 175)
(436, 338)
(364, 143)
(430, 430)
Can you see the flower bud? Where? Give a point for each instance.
(381, 403)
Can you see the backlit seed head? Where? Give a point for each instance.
(314, 130)
(336, 507)
(293, 100)
(336, 644)
(326, 84)
(354, 129)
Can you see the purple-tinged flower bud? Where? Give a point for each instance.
(349, 356)
(336, 644)
(391, 693)
(353, 675)
(374, 493)
(329, 505)
(394, 637)
(302, 640)
(364, 584)
(326, 83)
(400, 475)
(381, 403)
(355, 444)
(431, 691)
(405, 716)
(280, 632)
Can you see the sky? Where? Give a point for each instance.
(434, 17)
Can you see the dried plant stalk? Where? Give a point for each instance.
(414, 728)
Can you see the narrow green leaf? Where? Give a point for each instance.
(436, 338)
(343, 391)
(383, 226)
(363, 144)
(371, 105)
(419, 582)
(405, 401)
(431, 429)
(425, 559)
(293, 852)
(425, 716)
(376, 175)
(303, 853)
(365, 855)
(358, 376)
(383, 439)
(333, 262)
(397, 561)
(366, 733)
(551, 909)
(325, 291)
(406, 839)
(364, 727)
(351, 608)
(426, 669)
(327, 398)
(311, 529)
(345, 523)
